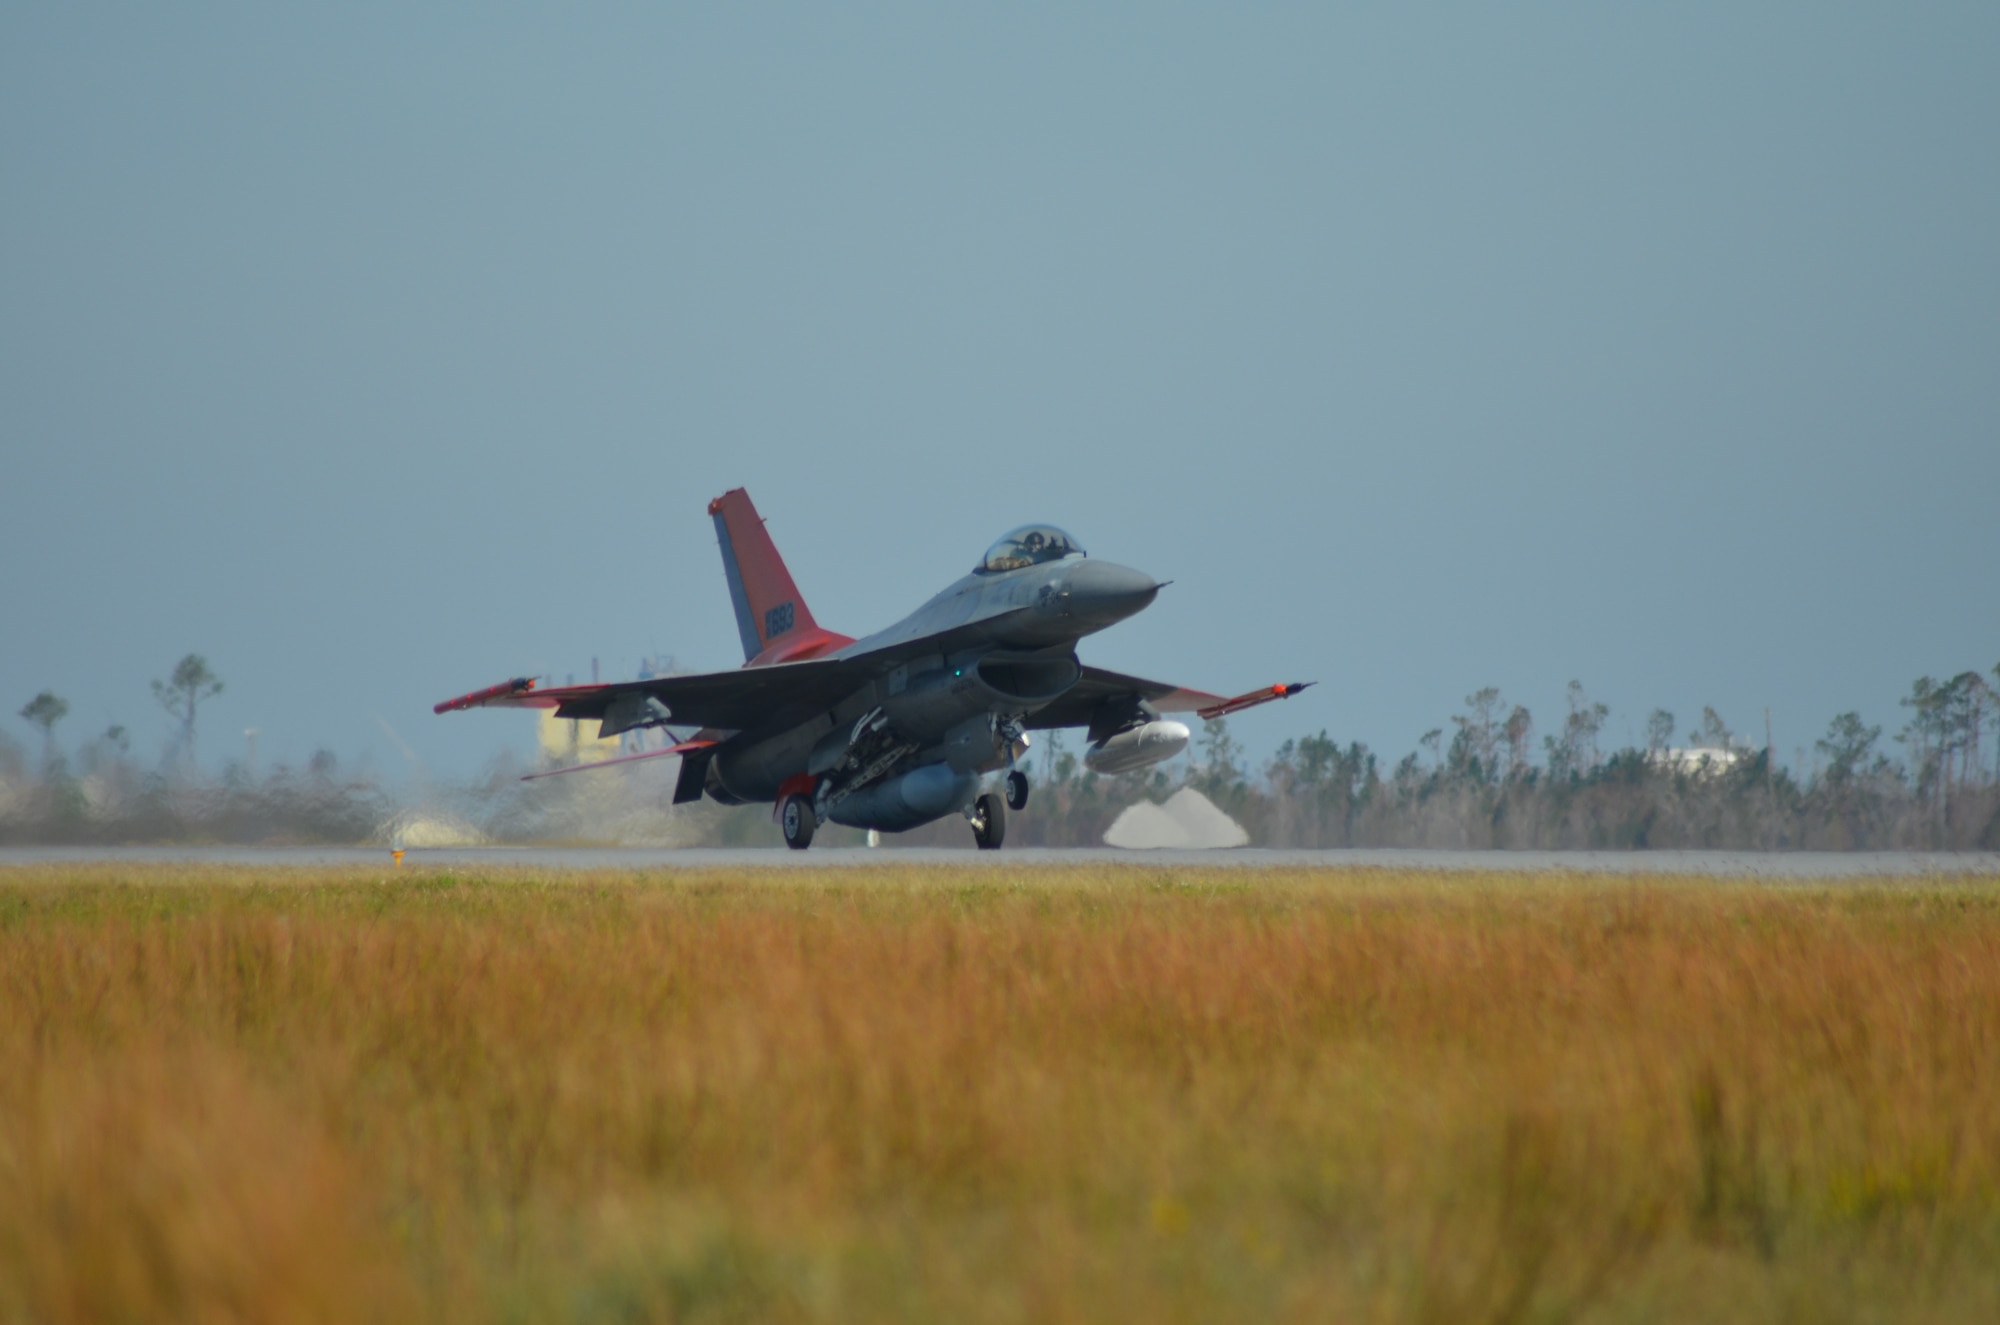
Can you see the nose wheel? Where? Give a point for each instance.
(989, 822)
(1017, 790)
(797, 821)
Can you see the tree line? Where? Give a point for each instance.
(181, 694)
(1484, 781)
(1488, 778)
(100, 793)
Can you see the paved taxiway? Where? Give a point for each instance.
(1804, 865)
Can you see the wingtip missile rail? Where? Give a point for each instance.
(1251, 700)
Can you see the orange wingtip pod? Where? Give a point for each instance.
(1251, 700)
(520, 685)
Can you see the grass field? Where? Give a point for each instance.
(1098, 1094)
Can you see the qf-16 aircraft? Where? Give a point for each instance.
(905, 726)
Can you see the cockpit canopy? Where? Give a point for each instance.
(1030, 545)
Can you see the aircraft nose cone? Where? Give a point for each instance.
(1103, 592)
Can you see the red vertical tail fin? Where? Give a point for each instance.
(771, 616)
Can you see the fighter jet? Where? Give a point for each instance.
(907, 725)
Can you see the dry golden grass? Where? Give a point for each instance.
(1112, 1094)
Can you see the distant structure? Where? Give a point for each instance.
(1696, 760)
(641, 739)
(564, 741)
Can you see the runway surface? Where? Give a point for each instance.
(1718, 864)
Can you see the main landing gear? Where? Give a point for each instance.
(988, 814)
(796, 820)
(989, 822)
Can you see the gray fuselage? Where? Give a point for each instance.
(958, 675)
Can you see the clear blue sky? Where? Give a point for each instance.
(379, 352)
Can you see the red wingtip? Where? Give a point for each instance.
(1251, 699)
(520, 685)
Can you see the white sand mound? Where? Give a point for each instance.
(1189, 820)
(1145, 825)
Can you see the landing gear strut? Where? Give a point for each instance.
(989, 822)
(1017, 790)
(796, 819)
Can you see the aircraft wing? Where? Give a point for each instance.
(734, 700)
(749, 697)
(1079, 706)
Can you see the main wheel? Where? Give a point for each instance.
(989, 822)
(1017, 790)
(795, 817)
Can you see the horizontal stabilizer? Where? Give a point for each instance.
(685, 747)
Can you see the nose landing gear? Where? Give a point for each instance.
(1017, 790)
